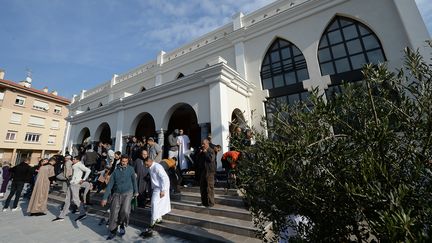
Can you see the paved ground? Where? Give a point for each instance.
(16, 227)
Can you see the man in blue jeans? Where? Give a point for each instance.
(22, 173)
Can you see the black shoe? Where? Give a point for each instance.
(147, 232)
(102, 221)
(122, 230)
(110, 236)
(58, 219)
(81, 217)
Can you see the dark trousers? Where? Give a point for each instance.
(16, 190)
(207, 189)
(120, 210)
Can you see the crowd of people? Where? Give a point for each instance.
(141, 174)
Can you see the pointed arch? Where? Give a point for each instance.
(282, 72)
(283, 65)
(143, 89)
(345, 46)
(180, 75)
(100, 104)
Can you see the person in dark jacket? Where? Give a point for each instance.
(90, 158)
(22, 173)
(124, 184)
(6, 177)
(143, 179)
(207, 168)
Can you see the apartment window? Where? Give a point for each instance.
(41, 106)
(32, 137)
(16, 118)
(37, 121)
(11, 135)
(57, 109)
(51, 139)
(55, 124)
(1, 95)
(20, 100)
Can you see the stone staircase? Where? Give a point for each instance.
(227, 221)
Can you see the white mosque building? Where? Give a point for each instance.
(279, 52)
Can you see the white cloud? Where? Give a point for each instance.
(173, 23)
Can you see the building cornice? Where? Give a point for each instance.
(201, 78)
(34, 92)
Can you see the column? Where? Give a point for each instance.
(414, 26)
(66, 137)
(205, 130)
(160, 62)
(161, 137)
(111, 92)
(240, 59)
(219, 117)
(119, 132)
(70, 140)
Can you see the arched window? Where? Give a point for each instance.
(346, 46)
(180, 75)
(100, 104)
(282, 72)
(283, 65)
(143, 89)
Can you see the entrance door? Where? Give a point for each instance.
(21, 155)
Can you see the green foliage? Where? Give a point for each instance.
(357, 166)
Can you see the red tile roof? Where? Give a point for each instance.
(11, 84)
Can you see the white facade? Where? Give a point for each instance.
(222, 70)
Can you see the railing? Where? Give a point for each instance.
(199, 43)
(97, 89)
(269, 11)
(136, 71)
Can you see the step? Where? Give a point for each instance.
(196, 233)
(217, 210)
(234, 201)
(191, 226)
(217, 190)
(220, 217)
(225, 224)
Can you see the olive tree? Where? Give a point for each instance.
(356, 166)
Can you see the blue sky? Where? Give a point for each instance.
(74, 45)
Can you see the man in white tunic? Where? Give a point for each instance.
(183, 143)
(160, 201)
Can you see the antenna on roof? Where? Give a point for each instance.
(28, 79)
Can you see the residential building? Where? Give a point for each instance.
(279, 52)
(33, 121)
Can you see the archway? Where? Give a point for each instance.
(83, 136)
(103, 133)
(237, 120)
(184, 117)
(143, 126)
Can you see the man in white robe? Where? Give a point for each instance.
(160, 201)
(183, 143)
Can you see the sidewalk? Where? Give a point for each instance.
(16, 227)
